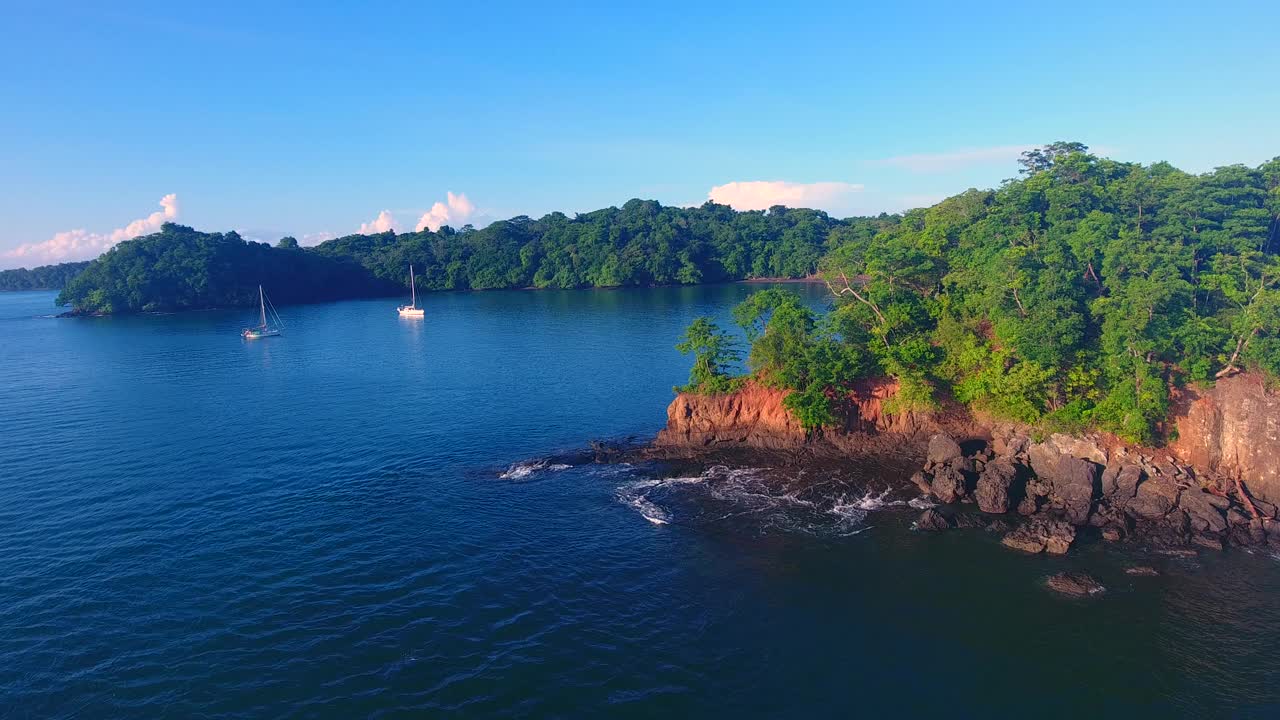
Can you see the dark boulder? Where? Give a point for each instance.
(943, 449)
(1028, 506)
(1202, 513)
(992, 491)
(921, 480)
(931, 520)
(1038, 488)
(1120, 481)
(1076, 584)
(948, 484)
(1127, 481)
(1074, 484)
(1155, 499)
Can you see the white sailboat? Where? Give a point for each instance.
(412, 310)
(263, 329)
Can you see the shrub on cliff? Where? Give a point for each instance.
(714, 352)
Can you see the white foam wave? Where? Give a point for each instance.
(527, 468)
(872, 501)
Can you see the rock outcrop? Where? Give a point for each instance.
(1042, 535)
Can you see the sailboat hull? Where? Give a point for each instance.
(259, 334)
(411, 312)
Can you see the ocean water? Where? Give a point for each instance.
(373, 517)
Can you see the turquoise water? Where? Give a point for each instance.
(377, 517)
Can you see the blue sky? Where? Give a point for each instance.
(275, 118)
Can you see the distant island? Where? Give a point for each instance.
(45, 277)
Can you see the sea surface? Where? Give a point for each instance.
(375, 517)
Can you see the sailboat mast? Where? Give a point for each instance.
(413, 287)
(262, 301)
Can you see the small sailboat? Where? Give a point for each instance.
(412, 310)
(263, 330)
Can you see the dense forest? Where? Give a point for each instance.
(1075, 296)
(641, 243)
(45, 277)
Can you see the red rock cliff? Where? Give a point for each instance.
(1233, 429)
(755, 417)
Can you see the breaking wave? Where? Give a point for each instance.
(759, 499)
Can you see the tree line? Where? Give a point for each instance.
(640, 244)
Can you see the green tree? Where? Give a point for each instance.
(714, 351)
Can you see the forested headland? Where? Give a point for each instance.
(1075, 297)
(44, 277)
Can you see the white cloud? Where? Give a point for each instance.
(380, 224)
(81, 244)
(763, 194)
(454, 211)
(315, 238)
(955, 159)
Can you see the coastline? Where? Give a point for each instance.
(1212, 489)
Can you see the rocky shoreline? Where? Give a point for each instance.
(1065, 486)
(1215, 487)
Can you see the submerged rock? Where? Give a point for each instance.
(1076, 584)
(931, 520)
(1042, 535)
(1145, 570)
